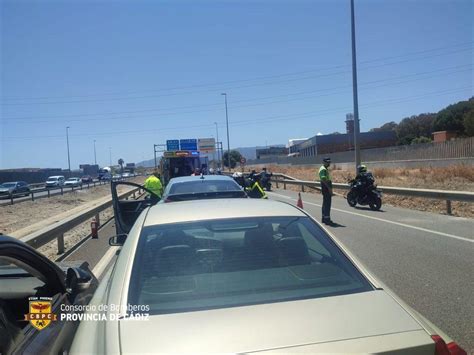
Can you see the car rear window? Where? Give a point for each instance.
(235, 262)
(203, 186)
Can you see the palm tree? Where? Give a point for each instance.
(121, 162)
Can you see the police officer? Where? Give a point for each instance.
(153, 183)
(326, 189)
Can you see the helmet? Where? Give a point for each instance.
(362, 169)
(327, 160)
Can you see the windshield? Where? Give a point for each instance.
(72, 179)
(52, 179)
(203, 186)
(8, 184)
(226, 263)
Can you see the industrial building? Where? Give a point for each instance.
(333, 143)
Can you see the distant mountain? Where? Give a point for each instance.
(147, 163)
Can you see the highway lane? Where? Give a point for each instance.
(426, 258)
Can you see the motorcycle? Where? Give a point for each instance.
(364, 195)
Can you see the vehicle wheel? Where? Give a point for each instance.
(375, 203)
(351, 199)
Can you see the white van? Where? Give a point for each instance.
(54, 181)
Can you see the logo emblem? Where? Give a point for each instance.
(40, 315)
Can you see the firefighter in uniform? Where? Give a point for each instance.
(326, 189)
(153, 183)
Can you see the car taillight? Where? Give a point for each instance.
(441, 348)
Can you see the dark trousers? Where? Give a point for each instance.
(326, 210)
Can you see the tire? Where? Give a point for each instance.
(351, 198)
(375, 204)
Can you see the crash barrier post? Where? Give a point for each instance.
(60, 243)
(448, 207)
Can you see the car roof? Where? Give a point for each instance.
(56, 176)
(196, 210)
(203, 177)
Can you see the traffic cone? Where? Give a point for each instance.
(300, 201)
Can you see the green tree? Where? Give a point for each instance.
(415, 127)
(452, 117)
(420, 140)
(469, 123)
(389, 126)
(235, 157)
(121, 162)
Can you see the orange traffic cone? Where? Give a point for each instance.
(300, 201)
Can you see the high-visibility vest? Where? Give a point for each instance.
(154, 185)
(324, 174)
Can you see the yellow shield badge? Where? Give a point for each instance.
(40, 315)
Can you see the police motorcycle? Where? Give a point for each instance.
(250, 184)
(364, 191)
(265, 180)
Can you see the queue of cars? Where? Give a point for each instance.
(207, 270)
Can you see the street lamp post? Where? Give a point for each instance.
(110, 156)
(68, 155)
(354, 85)
(95, 155)
(227, 124)
(217, 145)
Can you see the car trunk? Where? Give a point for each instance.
(364, 322)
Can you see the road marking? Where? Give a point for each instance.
(104, 262)
(385, 220)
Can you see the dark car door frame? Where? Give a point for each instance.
(126, 212)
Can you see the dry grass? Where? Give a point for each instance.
(456, 177)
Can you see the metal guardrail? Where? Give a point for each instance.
(448, 196)
(51, 190)
(57, 230)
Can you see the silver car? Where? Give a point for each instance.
(244, 275)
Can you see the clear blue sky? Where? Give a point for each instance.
(133, 73)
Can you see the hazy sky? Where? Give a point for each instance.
(129, 74)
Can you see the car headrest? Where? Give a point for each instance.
(293, 251)
(174, 260)
(259, 238)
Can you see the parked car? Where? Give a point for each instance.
(74, 181)
(55, 181)
(202, 187)
(87, 179)
(242, 276)
(26, 273)
(16, 188)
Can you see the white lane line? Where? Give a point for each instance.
(386, 221)
(102, 264)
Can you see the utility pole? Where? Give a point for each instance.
(68, 155)
(354, 84)
(154, 152)
(217, 145)
(95, 155)
(227, 123)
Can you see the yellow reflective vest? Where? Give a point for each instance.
(154, 185)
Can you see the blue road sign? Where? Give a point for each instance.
(188, 144)
(172, 144)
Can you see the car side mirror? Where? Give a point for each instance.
(117, 240)
(78, 280)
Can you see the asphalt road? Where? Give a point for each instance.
(426, 258)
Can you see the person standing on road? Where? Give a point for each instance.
(326, 189)
(153, 183)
